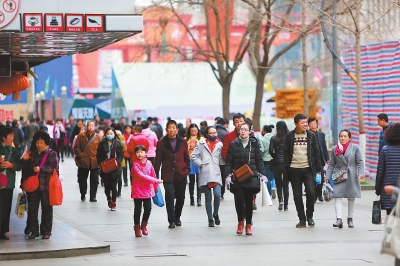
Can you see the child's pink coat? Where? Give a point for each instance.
(144, 180)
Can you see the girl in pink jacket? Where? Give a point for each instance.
(144, 185)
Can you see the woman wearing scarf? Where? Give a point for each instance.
(346, 155)
(207, 156)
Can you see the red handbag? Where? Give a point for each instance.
(3, 181)
(32, 183)
(109, 165)
(55, 190)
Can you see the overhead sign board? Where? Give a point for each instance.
(33, 22)
(5, 66)
(74, 22)
(8, 11)
(94, 23)
(54, 22)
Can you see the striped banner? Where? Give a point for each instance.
(380, 72)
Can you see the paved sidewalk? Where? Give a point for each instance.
(275, 239)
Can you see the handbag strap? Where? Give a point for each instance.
(249, 153)
(44, 160)
(90, 141)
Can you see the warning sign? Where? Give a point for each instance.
(8, 11)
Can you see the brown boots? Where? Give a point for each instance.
(144, 228)
(240, 228)
(248, 230)
(139, 229)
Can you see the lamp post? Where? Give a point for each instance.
(53, 105)
(64, 102)
(37, 97)
(42, 105)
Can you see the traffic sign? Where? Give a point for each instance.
(94, 23)
(8, 11)
(74, 22)
(33, 22)
(54, 22)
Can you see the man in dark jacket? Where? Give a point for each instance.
(302, 161)
(313, 124)
(18, 135)
(172, 154)
(383, 122)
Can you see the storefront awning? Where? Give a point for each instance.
(34, 32)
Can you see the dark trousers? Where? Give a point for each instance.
(6, 196)
(69, 150)
(94, 181)
(318, 188)
(282, 182)
(174, 190)
(138, 210)
(119, 182)
(244, 203)
(297, 177)
(194, 178)
(46, 224)
(153, 160)
(110, 186)
(60, 148)
(125, 172)
(222, 169)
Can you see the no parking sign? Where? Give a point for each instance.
(8, 11)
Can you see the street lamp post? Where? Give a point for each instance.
(38, 108)
(42, 105)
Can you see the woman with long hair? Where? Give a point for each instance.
(347, 157)
(207, 156)
(193, 137)
(110, 147)
(280, 174)
(244, 150)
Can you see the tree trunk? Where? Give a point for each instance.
(361, 125)
(304, 54)
(262, 72)
(226, 89)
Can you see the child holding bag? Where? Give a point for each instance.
(144, 185)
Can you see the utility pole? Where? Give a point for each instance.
(304, 54)
(335, 131)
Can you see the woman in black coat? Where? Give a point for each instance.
(388, 166)
(239, 152)
(110, 147)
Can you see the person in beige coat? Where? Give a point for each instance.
(207, 155)
(85, 150)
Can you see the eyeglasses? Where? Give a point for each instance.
(244, 129)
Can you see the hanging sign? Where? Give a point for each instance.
(94, 23)
(53, 22)
(74, 22)
(33, 22)
(8, 11)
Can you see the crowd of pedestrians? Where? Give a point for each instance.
(207, 158)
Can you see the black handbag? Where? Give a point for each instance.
(376, 212)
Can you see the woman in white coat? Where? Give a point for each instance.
(207, 156)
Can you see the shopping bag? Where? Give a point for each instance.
(391, 239)
(327, 192)
(158, 198)
(20, 207)
(265, 197)
(376, 212)
(318, 179)
(55, 190)
(3, 180)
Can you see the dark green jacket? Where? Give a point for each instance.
(14, 159)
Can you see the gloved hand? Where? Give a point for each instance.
(263, 178)
(228, 179)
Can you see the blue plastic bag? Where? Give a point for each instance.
(158, 199)
(318, 179)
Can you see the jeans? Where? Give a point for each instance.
(271, 180)
(34, 199)
(244, 200)
(6, 196)
(138, 210)
(282, 183)
(110, 186)
(351, 206)
(217, 200)
(174, 190)
(223, 177)
(94, 181)
(297, 177)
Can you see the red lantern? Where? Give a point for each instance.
(14, 84)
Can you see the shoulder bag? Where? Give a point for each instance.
(244, 172)
(110, 164)
(90, 141)
(32, 183)
(341, 176)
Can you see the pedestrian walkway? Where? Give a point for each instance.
(275, 239)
